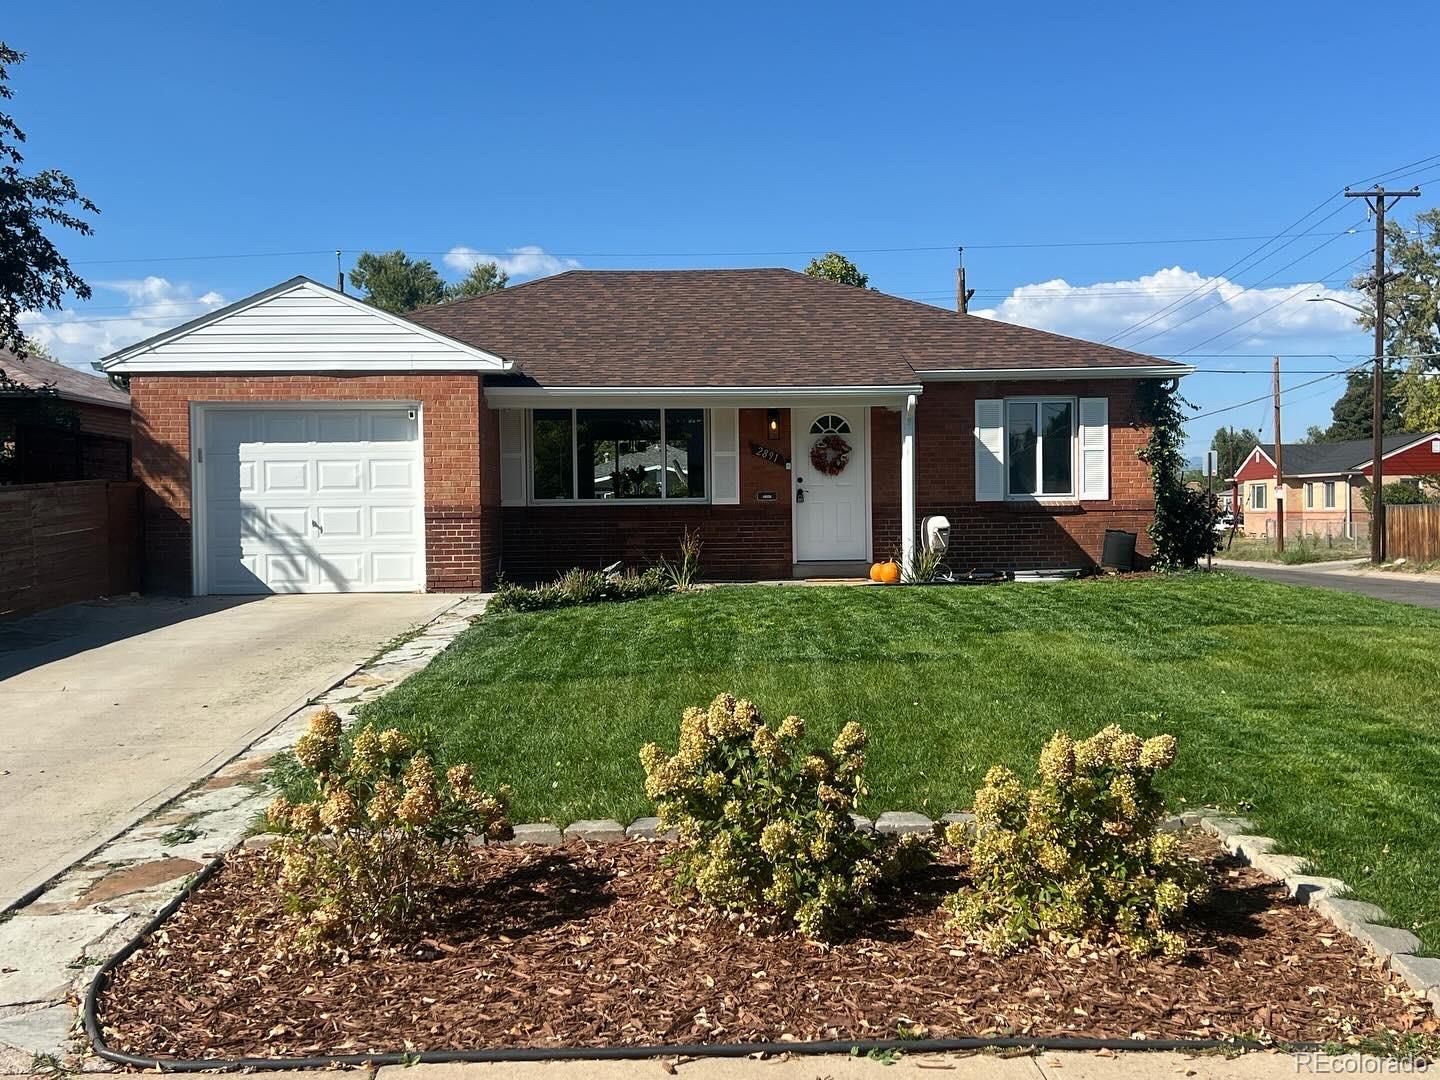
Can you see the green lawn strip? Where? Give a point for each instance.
(1312, 711)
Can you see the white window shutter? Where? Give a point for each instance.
(989, 449)
(512, 457)
(1094, 448)
(725, 456)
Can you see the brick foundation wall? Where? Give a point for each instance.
(746, 541)
(67, 542)
(457, 514)
(1006, 535)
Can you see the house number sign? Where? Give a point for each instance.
(768, 454)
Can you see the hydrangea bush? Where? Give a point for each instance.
(384, 831)
(764, 824)
(1080, 855)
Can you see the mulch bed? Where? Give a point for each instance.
(582, 946)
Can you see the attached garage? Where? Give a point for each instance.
(299, 499)
(303, 441)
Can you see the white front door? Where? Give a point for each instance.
(312, 500)
(831, 510)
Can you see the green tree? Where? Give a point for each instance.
(1233, 447)
(395, 282)
(836, 267)
(1412, 309)
(1353, 414)
(485, 277)
(1183, 531)
(33, 274)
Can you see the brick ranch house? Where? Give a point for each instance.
(301, 440)
(1326, 483)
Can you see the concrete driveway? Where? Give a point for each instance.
(108, 709)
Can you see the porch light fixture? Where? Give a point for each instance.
(772, 422)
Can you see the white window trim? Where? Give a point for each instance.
(1262, 503)
(1073, 494)
(530, 497)
(1329, 495)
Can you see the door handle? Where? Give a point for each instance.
(317, 526)
(799, 495)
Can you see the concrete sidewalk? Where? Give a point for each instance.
(108, 709)
(1422, 590)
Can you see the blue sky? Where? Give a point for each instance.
(674, 135)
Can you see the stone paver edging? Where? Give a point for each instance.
(51, 947)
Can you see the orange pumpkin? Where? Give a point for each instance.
(890, 573)
(874, 571)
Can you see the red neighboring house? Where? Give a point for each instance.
(57, 423)
(1326, 483)
(302, 440)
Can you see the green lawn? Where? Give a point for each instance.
(1315, 712)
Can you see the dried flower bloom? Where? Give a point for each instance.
(394, 743)
(339, 809)
(851, 740)
(1159, 752)
(366, 755)
(1057, 759)
(305, 818)
(792, 727)
(383, 803)
(764, 742)
(325, 724)
(277, 814)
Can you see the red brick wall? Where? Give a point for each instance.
(67, 542)
(457, 513)
(1006, 535)
(102, 419)
(745, 541)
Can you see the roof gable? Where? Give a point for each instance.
(752, 328)
(1337, 458)
(299, 326)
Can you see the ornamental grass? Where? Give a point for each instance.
(764, 823)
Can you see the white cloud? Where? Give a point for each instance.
(1096, 311)
(522, 262)
(151, 304)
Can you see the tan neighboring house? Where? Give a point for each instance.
(1325, 483)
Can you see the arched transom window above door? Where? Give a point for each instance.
(830, 424)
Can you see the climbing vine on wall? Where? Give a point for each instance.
(1184, 527)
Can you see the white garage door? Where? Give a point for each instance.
(312, 500)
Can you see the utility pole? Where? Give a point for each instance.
(1376, 199)
(1279, 463)
(962, 294)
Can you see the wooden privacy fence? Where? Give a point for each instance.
(66, 542)
(1413, 532)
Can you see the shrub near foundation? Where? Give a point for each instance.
(385, 830)
(1081, 855)
(764, 825)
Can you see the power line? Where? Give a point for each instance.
(1227, 299)
(1245, 259)
(687, 254)
(1268, 396)
(1262, 311)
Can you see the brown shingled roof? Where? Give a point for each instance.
(766, 327)
(36, 373)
